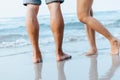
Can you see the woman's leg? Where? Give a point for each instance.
(91, 38)
(83, 9)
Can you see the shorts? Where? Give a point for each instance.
(38, 2)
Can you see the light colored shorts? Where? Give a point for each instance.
(38, 2)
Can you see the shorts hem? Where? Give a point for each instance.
(54, 1)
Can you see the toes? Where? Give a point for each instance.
(38, 61)
(115, 48)
(68, 57)
(91, 53)
(115, 53)
(64, 57)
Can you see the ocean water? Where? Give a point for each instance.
(13, 33)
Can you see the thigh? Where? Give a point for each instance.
(84, 6)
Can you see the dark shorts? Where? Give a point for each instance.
(38, 2)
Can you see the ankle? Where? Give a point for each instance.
(113, 40)
(36, 53)
(59, 52)
(93, 49)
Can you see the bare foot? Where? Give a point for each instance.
(115, 45)
(37, 58)
(91, 52)
(63, 57)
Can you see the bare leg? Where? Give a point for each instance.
(83, 8)
(91, 38)
(33, 31)
(57, 26)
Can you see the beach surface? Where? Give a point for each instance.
(96, 67)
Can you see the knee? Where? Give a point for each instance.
(55, 11)
(32, 9)
(82, 17)
(54, 7)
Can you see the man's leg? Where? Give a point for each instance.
(91, 38)
(83, 8)
(33, 30)
(57, 26)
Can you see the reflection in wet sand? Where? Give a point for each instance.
(38, 70)
(60, 67)
(93, 70)
(61, 73)
(115, 65)
(93, 74)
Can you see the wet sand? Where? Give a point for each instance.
(97, 67)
